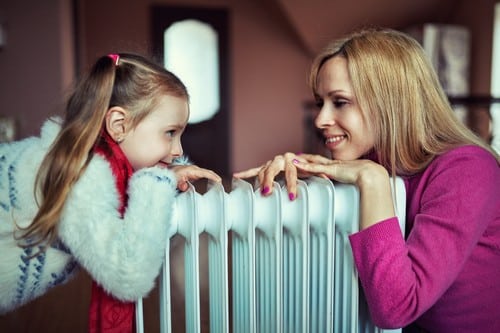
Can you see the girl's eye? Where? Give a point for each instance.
(170, 133)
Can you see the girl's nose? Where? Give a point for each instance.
(177, 149)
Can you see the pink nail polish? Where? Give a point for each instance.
(265, 190)
(295, 161)
(291, 196)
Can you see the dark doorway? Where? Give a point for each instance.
(207, 143)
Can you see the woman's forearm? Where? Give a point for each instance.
(375, 196)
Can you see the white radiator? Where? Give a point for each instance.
(292, 266)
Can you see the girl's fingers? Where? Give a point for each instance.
(209, 174)
(193, 172)
(182, 185)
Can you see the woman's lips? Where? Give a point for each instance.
(334, 140)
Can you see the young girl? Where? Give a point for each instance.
(383, 113)
(96, 190)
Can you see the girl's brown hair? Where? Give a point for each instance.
(401, 98)
(131, 82)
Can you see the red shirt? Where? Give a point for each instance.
(106, 313)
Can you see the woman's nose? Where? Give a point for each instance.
(325, 118)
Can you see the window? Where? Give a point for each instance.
(191, 52)
(192, 42)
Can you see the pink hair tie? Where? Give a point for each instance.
(115, 58)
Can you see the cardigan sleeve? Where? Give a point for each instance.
(124, 255)
(402, 280)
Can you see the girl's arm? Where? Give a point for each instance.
(124, 255)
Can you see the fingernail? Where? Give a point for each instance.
(295, 161)
(291, 196)
(265, 190)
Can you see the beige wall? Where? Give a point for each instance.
(267, 66)
(36, 64)
(268, 63)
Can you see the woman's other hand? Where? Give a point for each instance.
(371, 178)
(267, 172)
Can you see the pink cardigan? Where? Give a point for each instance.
(445, 276)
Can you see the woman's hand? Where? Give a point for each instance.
(305, 165)
(267, 172)
(189, 173)
(351, 172)
(371, 178)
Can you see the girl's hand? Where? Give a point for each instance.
(189, 173)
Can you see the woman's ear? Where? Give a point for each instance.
(116, 123)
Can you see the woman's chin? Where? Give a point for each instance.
(344, 156)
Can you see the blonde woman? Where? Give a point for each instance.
(382, 113)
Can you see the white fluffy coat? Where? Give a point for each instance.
(124, 255)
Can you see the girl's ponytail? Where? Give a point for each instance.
(72, 150)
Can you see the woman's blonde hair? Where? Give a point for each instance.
(126, 80)
(401, 98)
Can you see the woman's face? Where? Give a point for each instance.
(340, 120)
(157, 138)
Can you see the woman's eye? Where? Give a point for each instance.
(319, 104)
(338, 103)
(170, 133)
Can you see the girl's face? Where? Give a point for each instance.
(340, 120)
(156, 140)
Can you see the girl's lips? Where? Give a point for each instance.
(163, 164)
